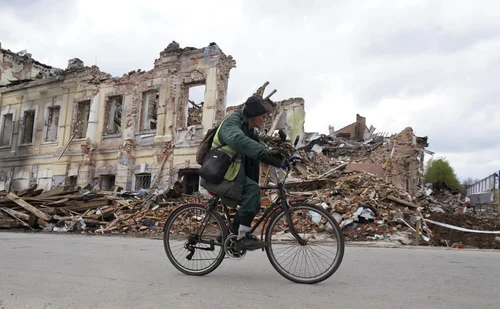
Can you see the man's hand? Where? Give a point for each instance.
(278, 153)
(275, 157)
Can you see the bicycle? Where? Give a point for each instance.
(211, 240)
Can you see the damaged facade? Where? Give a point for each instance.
(20, 67)
(82, 126)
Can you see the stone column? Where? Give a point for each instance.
(172, 94)
(210, 105)
(86, 171)
(161, 111)
(125, 166)
(221, 99)
(92, 124)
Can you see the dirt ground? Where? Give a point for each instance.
(485, 222)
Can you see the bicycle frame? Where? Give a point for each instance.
(275, 205)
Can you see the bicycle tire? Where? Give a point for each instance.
(335, 229)
(167, 233)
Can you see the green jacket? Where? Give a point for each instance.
(238, 138)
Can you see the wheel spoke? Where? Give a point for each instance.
(313, 262)
(180, 231)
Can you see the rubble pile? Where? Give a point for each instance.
(362, 184)
(481, 222)
(341, 148)
(101, 212)
(195, 114)
(366, 205)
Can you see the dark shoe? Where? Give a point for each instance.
(249, 242)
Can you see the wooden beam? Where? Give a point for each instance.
(260, 91)
(194, 104)
(11, 213)
(40, 214)
(67, 145)
(270, 95)
(26, 191)
(18, 214)
(342, 166)
(10, 223)
(395, 199)
(275, 122)
(418, 227)
(157, 176)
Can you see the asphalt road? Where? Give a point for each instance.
(76, 271)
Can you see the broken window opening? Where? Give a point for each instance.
(7, 128)
(194, 108)
(52, 124)
(71, 181)
(28, 127)
(142, 181)
(149, 112)
(107, 182)
(82, 119)
(190, 180)
(113, 115)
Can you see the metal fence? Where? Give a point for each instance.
(485, 190)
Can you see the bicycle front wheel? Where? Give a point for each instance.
(191, 238)
(315, 260)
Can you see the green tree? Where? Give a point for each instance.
(440, 170)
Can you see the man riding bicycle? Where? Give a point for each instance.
(237, 136)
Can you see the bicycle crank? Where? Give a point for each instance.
(229, 248)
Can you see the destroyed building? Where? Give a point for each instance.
(19, 67)
(81, 126)
(288, 115)
(357, 131)
(396, 158)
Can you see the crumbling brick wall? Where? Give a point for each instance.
(354, 131)
(402, 159)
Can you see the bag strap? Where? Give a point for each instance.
(222, 144)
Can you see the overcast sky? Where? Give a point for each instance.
(432, 65)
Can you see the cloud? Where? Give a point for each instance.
(431, 65)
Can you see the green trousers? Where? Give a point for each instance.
(250, 201)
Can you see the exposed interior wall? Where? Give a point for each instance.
(355, 131)
(402, 159)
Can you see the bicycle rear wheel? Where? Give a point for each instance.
(191, 252)
(314, 261)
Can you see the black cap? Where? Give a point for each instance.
(254, 106)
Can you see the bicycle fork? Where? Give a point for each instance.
(286, 210)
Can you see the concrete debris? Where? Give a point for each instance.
(195, 114)
(374, 187)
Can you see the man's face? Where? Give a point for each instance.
(258, 122)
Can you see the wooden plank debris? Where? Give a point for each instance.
(40, 214)
(398, 200)
(10, 223)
